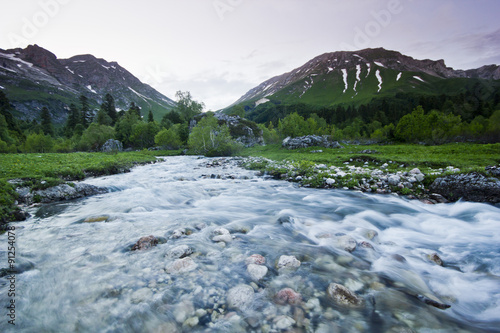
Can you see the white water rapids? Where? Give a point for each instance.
(85, 278)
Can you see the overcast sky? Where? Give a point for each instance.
(220, 49)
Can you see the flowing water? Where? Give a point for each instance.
(85, 278)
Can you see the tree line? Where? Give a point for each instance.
(87, 129)
(472, 115)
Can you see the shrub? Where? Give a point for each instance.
(168, 138)
(94, 137)
(211, 139)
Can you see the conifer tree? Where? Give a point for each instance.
(47, 127)
(109, 107)
(86, 117)
(150, 117)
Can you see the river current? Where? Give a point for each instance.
(83, 276)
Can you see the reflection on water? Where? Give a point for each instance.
(86, 279)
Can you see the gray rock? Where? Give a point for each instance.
(343, 296)
(434, 257)
(240, 297)
(111, 146)
(256, 259)
(394, 180)
(145, 243)
(257, 272)
(283, 322)
(310, 141)
(181, 266)
(179, 252)
(141, 295)
(59, 193)
(470, 187)
(347, 243)
(288, 262)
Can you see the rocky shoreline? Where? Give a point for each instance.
(374, 178)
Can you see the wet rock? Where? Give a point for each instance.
(257, 272)
(347, 243)
(343, 296)
(20, 215)
(283, 322)
(191, 322)
(59, 193)
(433, 303)
(436, 259)
(181, 266)
(366, 245)
(22, 265)
(141, 295)
(256, 259)
(178, 233)
(179, 252)
(470, 187)
(438, 198)
(145, 243)
(222, 235)
(371, 234)
(183, 311)
(240, 297)
(287, 296)
(288, 262)
(92, 219)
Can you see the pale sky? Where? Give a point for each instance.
(220, 49)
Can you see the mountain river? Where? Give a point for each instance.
(409, 266)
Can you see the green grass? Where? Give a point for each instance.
(39, 171)
(467, 157)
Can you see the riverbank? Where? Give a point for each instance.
(35, 173)
(434, 174)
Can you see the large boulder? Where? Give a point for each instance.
(112, 146)
(59, 193)
(470, 187)
(310, 141)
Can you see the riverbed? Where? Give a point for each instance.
(220, 229)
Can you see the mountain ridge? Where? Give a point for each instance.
(375, 71)
(34, 77)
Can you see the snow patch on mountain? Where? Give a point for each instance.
(344, 74)
(140, 95)
(261, 101)
(399, 76)
(369, 69)
(418, 78)
(358, 73)
(379, 64)
(379, 78)
(89, 87)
